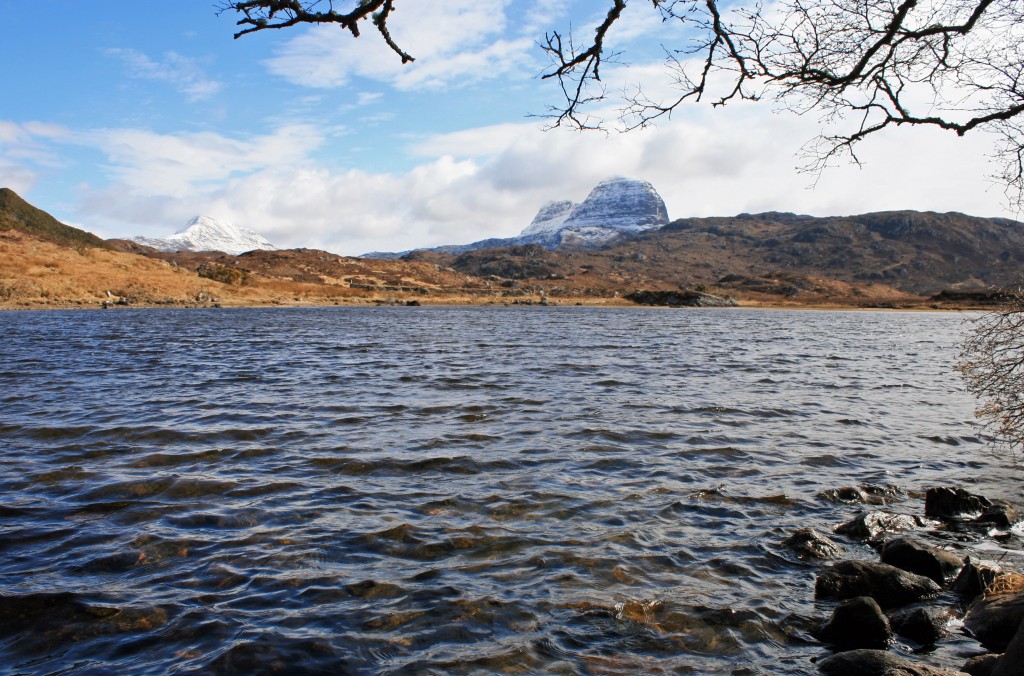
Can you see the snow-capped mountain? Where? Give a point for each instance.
(615, 207)
(206, 234)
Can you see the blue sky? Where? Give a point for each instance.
(124, 120)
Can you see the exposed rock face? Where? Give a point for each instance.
(952, 502)
(206, 234)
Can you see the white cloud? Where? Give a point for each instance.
(181, 164)
(454, 42)
(25, 153)
(181, 72)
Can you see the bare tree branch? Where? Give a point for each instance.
(259, 15)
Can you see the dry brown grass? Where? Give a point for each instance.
(1007, 583)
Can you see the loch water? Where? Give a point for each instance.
(431, 490)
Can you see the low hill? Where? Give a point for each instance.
(919, 253)
(17, 214)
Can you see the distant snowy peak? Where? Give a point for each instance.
(206, 234)
(550, 219)
(621, 203)
(614, 207)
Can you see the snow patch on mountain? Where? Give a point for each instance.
(207, 234)
(614, 208)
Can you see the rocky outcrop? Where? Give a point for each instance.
(679, 299)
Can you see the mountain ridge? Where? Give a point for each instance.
(208, 234)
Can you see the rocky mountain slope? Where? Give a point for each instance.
(207, 234)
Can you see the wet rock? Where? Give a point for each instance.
(857, 623)
(922, 559)
(1012, 661)
(994, 620)
(924, 626)
(866, 494)
(808, 543)
(888, 585)
(982, 665)
(952, 503)
(872, 525)
(1000, 514)
(974, 578)
(877, 663)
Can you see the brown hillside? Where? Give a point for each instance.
(17, 214)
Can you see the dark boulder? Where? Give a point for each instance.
(871, 525)
(995, 619)
(679, 299)
(952, 503)
(981, 665)
(888, 585)
(808, 543)
(974, 578)
(924, 626)
(1012, 661)
(877, 663)
(922, 559)
(857, 623)
(1000, 514)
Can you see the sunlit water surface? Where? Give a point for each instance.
(454, 490)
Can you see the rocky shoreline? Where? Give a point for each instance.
(918, 589)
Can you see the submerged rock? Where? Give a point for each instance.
(857, 623)
(808, 543)
(888, 585)
(922, 559)
(867, 494)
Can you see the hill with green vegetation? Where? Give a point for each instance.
(17, 214)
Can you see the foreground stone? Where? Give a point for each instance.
(922, 559)
(888, 585)
(922, 625)
(995, 620)
(857, 623)
(1012, 661)
(878, 663)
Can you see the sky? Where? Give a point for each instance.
(127, 118)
